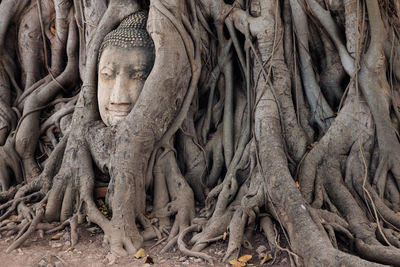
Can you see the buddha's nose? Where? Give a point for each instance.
(120, 91)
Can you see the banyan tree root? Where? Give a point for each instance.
(252, 100)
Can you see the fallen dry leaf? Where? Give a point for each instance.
(266, 258)
(55, 237)
(141, 253)
(224, 237)
(236, 263)
(245, 258)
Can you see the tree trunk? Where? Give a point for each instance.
(269, 113)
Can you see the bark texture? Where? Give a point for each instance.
(278, 115)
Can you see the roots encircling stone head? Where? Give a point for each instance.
(254, 108)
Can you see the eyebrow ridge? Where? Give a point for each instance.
(107, 65)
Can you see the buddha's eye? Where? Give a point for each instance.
(139, 75)
(107, 73)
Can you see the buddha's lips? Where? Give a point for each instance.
(119, 112)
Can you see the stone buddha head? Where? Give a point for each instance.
(126, 58)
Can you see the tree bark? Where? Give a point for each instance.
(277, 114)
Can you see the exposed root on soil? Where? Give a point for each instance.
(250, 129)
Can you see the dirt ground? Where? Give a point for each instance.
(89, 252)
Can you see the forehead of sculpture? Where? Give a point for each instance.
(127, 59)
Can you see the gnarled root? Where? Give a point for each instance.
(355, 201)
(181, 198)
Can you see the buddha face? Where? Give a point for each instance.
(121, 76)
